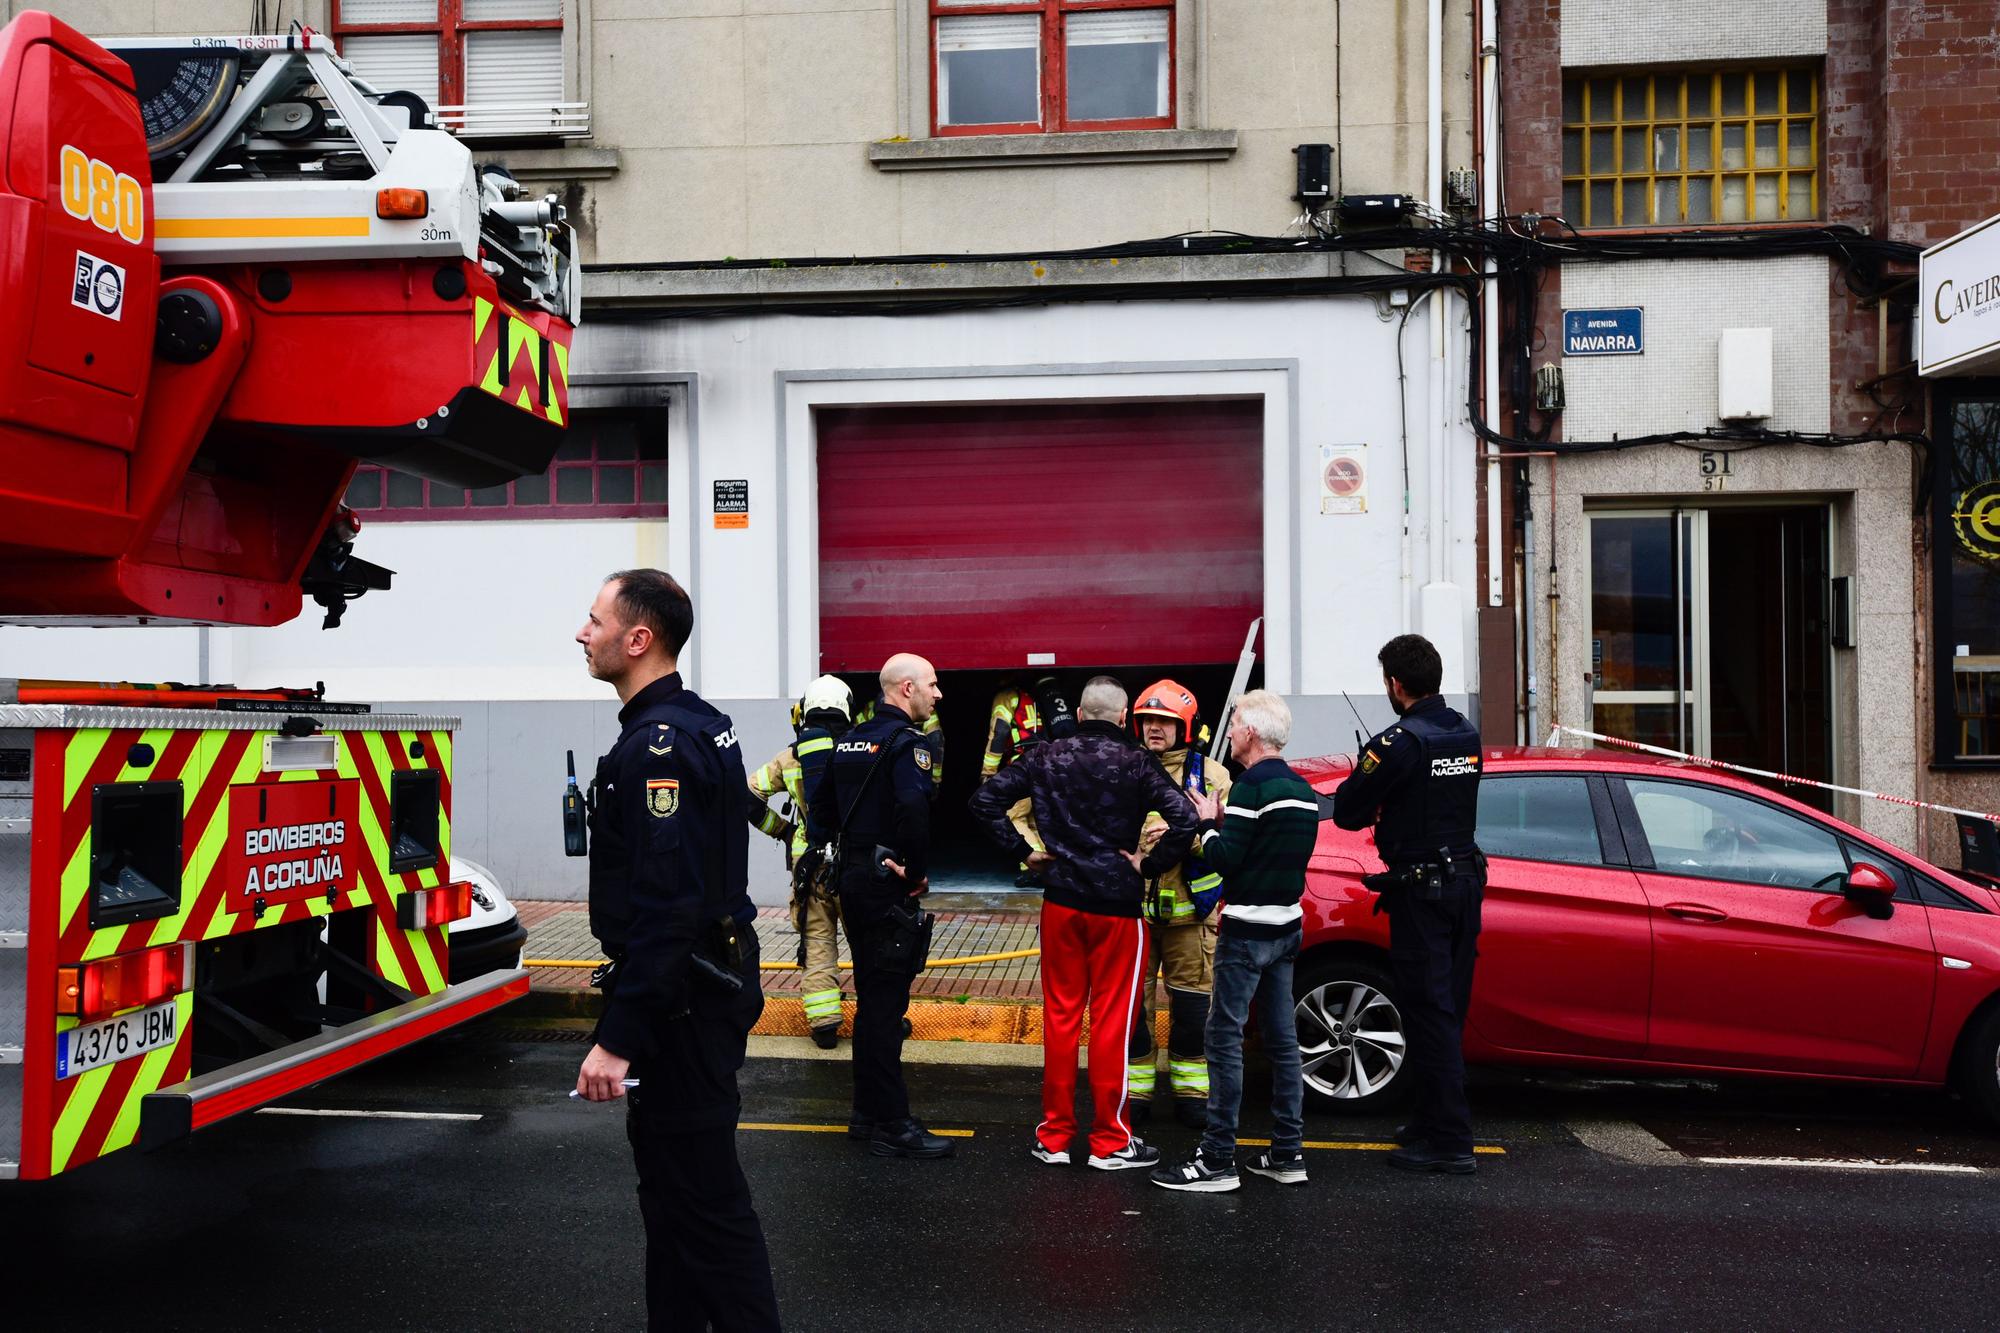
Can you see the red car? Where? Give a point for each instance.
(1649, 916)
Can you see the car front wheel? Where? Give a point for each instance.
(1979, 1064)
(1351, 1039)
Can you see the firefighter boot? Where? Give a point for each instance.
(1141, 1070)
(1187, 1056)
(819, 982)
(1139, 1077)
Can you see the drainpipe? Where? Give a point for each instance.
(1489, 171)
(1535, 733)
(1441, 614)
(1437, 487)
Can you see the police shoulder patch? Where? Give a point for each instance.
(1370, 762)
(663, 796)
(922, 755)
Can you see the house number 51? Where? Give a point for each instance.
(1714, 469)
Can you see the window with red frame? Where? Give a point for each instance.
(456, 52)
(1059, 65)
(610, 465)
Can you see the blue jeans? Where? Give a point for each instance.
(1251, 971)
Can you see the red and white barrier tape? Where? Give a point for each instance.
(1560, 731)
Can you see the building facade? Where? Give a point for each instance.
(994, 332)
(1795, 591)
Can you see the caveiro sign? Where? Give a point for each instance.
(1958, 313)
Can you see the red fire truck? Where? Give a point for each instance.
(232, 270)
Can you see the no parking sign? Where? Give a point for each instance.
(1343, 479)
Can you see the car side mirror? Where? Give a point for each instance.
(1870, 888)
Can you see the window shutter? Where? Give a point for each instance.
(406, 61)
(510, 11)
(513, 69)
(989, 32)
(1110, 27)
(362, 13)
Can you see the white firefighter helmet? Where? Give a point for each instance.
(828, 692)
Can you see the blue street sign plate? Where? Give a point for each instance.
(1619, 332)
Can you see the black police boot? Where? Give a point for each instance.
(1139, 1110)
(1408, 1136)
(826, 1038)
(909, 1138)
(1424, 1157)
(907, 1029)
(858, 1128)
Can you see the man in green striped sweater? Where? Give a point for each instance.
(1259, 844)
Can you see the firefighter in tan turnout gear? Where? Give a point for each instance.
(821, 717)
(1021, 716)
(1012, 723)
(1180, 906)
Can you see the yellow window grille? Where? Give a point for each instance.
(1667, 149)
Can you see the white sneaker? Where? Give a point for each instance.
(1286, 1168)
(1053, 1156)
(1128, 1158)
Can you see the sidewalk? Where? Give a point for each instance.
(989, 1001)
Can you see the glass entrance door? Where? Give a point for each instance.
(1709, 634)
(1648, 627)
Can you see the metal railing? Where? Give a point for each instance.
(489, 120)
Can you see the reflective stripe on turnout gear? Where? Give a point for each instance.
(822, 1007)
(1174, 891)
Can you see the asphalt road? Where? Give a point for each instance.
(1600, 1210)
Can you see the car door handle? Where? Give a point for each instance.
(1695, 912)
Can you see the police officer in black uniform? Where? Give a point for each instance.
(1418, 784)
(876, 797)
(668, 871)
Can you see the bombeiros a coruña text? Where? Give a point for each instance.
(319, 867)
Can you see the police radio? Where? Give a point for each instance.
(576, 825)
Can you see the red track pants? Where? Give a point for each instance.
(1088, 961)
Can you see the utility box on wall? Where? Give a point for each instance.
(1743, 375)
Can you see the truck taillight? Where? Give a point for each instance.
(104, 986)
(435, 907)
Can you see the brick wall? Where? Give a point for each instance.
(1854, 187)
(1531, 112)
(1940, 138)
(1530, 41)
(1942, 121)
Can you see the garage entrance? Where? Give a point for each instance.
(1008, 541)
(1011, 536)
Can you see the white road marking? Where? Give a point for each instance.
(369, 1115)
(1843, 1164)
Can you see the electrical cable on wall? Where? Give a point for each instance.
(1521, 253)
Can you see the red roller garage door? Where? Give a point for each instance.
(1105, 534)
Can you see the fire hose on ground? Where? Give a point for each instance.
(964, 960)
